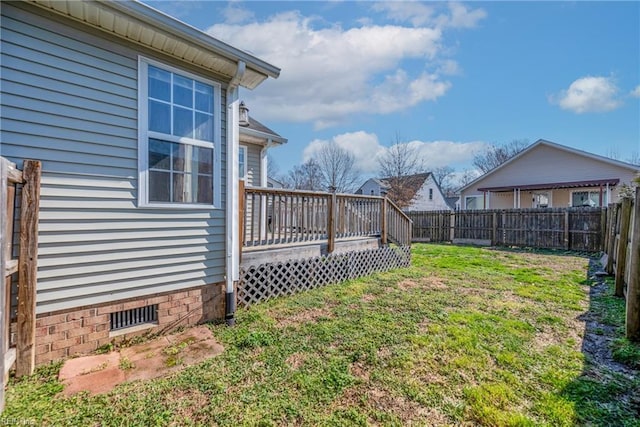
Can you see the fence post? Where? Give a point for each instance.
(331, 223)
(612, 239)
(621, 257)
(3, 280)
(28, 268)
(494, 232)
(452, 225)
(567, 244)
(633, 290)
(603, 229)
(383, 219)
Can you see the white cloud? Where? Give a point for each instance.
(366, 149)
(636, 92)
(364, 146)
(330, 73)
(589, 95)
(456, 16)
(236, 14)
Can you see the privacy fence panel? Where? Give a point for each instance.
(579, 229)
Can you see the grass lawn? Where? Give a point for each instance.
(464, 336)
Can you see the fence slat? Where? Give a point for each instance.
(621, 256)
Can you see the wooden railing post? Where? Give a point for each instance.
(331, 222)
(28, 268)
(633, 290)
(612, 238)
(383, 219)
(621, 257)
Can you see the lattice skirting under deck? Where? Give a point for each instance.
(259, 283)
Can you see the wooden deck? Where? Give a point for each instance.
(271, 218)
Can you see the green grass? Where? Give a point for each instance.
(464, 336)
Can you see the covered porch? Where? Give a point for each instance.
(591, 193)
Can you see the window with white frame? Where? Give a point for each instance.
(473, 202)
(588, 198)
(179, 136)
(242, 162)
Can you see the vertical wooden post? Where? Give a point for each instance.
(241, 218)
(633, 290)
(331, 222)
(567, 236)
(603, 229)
(28, 268)
(383, 219)
(612, 238)
(452, 226)
(3, 280)
(494, 231)
(621, 257)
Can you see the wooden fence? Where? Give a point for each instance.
(578, 229)
(275, 216)
(25, 212)
(622, 246)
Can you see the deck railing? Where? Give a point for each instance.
(276, 216)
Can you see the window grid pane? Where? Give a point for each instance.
(184, 107)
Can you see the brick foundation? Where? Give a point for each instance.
(82, 330)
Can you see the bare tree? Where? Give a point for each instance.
(337, 168)
(443, 176)
(495, 155)
(306, 176)
(396, 164)
(634, 159)
(467, 176)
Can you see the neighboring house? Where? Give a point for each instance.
(134, 116)
(422, 189)
(274, 183)
(547, 174)
(255, 140)
(373, 187)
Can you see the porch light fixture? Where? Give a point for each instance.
(244, 115)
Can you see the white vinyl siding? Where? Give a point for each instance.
(69, 99)
(253, 165)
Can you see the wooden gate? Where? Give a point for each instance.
(18, 256)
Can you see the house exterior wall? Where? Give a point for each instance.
(421, 201)
(547, 164)
(69, 99)
(253, 164)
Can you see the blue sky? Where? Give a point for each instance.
(448, 78)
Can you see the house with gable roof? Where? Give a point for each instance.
(422, 191)
(547, 174)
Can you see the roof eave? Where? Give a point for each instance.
(263, 135)
(136, 13)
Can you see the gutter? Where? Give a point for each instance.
(232, 221)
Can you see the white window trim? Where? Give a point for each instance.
(246, 171)
(605, 200)
(144, 134)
